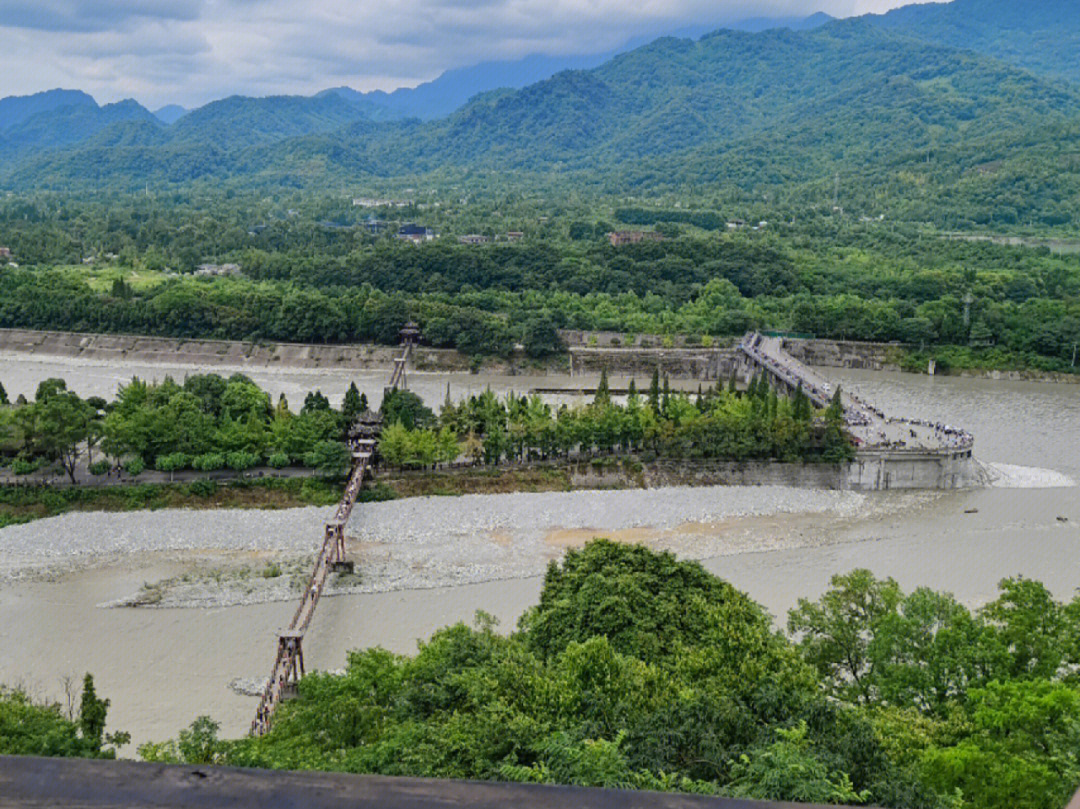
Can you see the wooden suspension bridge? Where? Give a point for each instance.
(289, 661)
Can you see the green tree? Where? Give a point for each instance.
(654, 392)
(315, 401)
(1031, 627)
(171, 463)
(540, 337)
(788, 770)
(353, 405)
(603, 391)
(836, 631)
(92, 714)
(405, 407)
(331, 459)
(56, 426)
(1023, 751)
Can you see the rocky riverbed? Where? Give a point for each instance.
(247, 557)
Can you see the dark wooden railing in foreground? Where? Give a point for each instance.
(65, 783)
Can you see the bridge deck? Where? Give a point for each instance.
(289, 663)
(868, 424)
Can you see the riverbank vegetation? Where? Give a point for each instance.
(207, 424)
(22, 504)
(716, 423)
(30, 727)
(210, 423)
(318, 273)
(635, 670)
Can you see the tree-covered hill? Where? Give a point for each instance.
(238, 122)
(16, 109)
(1042, 36)
(734, 108)
(67, 125)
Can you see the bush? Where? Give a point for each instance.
(173, 462)
(278, 460)
(99, 467)
(134, 467)
(21, 466)
(203, 488)
(242, 461)
(210, 462)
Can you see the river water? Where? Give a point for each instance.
(163, 667)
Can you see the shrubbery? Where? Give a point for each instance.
(636, 670)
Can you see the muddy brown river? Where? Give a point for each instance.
(164, 667)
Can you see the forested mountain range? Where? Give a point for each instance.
(14, 110)
(775, 108)
(1042, 36)
(450, 91)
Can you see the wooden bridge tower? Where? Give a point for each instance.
(291, 651)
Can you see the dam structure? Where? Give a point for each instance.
(891, 452)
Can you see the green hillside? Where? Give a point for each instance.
(733, 108)
(67, 125)
(1042, 36)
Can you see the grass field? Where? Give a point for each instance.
(100, 277)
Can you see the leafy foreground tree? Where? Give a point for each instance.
(635, 670)
(29, 728)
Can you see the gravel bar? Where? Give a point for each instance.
(428, 542)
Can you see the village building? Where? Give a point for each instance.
(514, 235)
(473, 238)
(5, 252)
(416, 233)
(211, 270)
(378, 202)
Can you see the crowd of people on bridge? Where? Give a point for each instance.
(791, 371)
(857, 413)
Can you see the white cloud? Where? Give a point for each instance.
(192, 51)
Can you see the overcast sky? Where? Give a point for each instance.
(192, 51)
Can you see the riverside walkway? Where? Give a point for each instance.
(289, 662)
(868, 424)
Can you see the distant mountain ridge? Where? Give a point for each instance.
(764, 110)
(451, 90)
(60, 126)
(16, 109)
(742, 108)
(1042, 36)
(170, 113)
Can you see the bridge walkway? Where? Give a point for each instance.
(288, 665)
(868, 424)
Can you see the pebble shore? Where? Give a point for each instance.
(416, 543)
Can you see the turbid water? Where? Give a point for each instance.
(21, 373)
(163, 667)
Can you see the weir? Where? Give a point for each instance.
(891, 452)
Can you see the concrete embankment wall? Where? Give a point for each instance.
(870, 471)
(879, 470)
(676, 363)
(845, 354)
(707, 473)
(223, 353)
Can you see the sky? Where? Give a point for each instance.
(189, 52)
